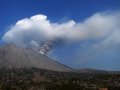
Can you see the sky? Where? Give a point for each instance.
(87, 30)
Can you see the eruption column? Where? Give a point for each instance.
(46, 47)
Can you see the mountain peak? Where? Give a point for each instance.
(12, 56)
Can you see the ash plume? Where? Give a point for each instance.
(43, 49)
(48, 45)
(102, 26)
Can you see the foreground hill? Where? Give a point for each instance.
(41, 79)
(90, 71)
(12, 56)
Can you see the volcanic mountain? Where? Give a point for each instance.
(12, 56)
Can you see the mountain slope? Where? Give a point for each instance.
(91, 71)
(12, 56)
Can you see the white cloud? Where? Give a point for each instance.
(103, 26)
(102, 30)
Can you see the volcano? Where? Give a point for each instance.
(12, 56)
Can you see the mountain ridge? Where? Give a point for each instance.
(12, 56)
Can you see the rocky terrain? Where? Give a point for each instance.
(41, 79)
(26, 69)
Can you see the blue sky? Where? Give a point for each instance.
(77, 55)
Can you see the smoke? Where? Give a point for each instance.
(40, 33)
(43, 49)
